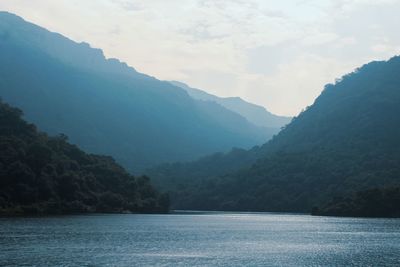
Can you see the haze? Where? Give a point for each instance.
(278, 54)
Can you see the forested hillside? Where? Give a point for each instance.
(47, 175)
(347, 141)
(374, 202)
(181, 176)
(107, 107)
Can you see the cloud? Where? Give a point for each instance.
(385, 48)
(128, 5)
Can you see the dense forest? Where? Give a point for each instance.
(180, 176)
(347, 141)
(107, 107)
(47, 175)
(376, 202)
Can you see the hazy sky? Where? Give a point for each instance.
(275, 53)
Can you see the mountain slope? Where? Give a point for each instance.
(47, 175)
(347, 141)
(253, 113)
(374, 202)
(106, 107)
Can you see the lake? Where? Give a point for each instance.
(199, 239)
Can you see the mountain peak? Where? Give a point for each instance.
(62, 48)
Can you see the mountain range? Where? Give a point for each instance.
(105, 106)
(255, 114)
(340, 156)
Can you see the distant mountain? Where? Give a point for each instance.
(47, 175)
(107, 107)
(346, 142)
(253, 113)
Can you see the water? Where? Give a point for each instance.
(210, 239)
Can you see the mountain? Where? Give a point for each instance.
(346, 142)
(253, 113)
(47, 175)
(107, 107)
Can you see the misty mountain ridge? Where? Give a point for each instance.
(255, 114)
(80, 55)
(107, 107)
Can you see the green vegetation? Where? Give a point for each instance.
(368, 203)
(347, 141)
(47, 175)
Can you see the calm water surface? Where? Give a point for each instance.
(209, 239)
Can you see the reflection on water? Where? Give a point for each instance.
(205, 239)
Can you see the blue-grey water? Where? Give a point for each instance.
(209, 239)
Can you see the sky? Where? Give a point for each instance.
(278, 54)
